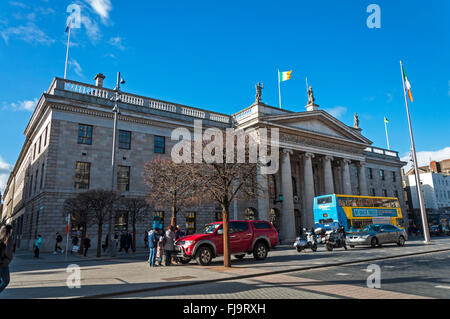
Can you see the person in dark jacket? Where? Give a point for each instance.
(59, 240)
(37, 246)
(86, 244)
(123, 241)
(128, 241)
(146, 239)
(106, 243)
(6, 254)
(74, 242)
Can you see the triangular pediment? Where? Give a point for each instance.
(318, 122)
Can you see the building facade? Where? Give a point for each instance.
(68, 150)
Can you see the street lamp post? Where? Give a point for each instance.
(116, 98)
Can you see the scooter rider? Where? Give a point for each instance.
(342, 236)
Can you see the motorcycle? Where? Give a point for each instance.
(335, 239)
(320, 236)
(308, 240)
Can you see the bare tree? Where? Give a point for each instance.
(137, 208)
(101, 203)
(169, 185)
(78, 207)
(222, 181)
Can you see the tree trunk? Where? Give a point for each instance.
(83, 235)
(133, 243)
(226, 239)
(173, 220)
(99, 240)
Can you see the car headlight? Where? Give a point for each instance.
(189, 242)
(365, 236)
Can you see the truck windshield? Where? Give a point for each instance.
(209, 229)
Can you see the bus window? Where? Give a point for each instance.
(342, 201)
(367, 202)
(400, 222)
(377, 202)
(354, 202)
(324, 200)
(326, 221)
(360, 223)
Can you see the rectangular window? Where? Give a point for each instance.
(42, 176)
(39, 145)
(394, 177)
(159, 144)
(82, 175)
(190, 223)
(30, 190)
(370, 173)
(121, 221)
(37, 225)
(382, 174)
(35, 180)
(84, 134)
(124, 140)
(372, 190)
(45, 136)
(384, 193)
(123, 178)
(396, 193)
(34, 151)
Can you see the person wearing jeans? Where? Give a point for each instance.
(6, 255)
(169, 244)
(152, 243)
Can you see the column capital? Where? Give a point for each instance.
(345, 161)
(306, 155)
(287, 151)
(362, 163)
(327, 158)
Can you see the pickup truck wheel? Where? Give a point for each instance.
(240, 257)
(204, 256)
(260, 251)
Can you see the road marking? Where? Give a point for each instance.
(388, 266)
(442, 287)
(342, 274)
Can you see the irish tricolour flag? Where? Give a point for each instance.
(407, 84)
(284, 76)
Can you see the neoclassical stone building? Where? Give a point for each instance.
(68, 150)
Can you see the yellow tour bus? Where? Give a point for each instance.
(355, 212)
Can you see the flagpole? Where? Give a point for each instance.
(426, 231)
(68, 46)
(387, 137)
(68, 231)
(279, 88)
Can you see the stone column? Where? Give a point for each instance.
(346, 177)
(362, 179)
(328, 175)
(308, 220)
(287, 227)
(263, 196)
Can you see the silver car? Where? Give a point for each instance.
(376, 235)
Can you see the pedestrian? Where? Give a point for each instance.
(146, 238)
(160, 248)
(128, 241)
(116, 239)
(86, 244)
(153, 243)
(169, 245)
(37, 246)
(123, 241)
(75, 241)
(6, 254)
(106, 243)
(59, 240)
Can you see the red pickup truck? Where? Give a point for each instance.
(246, 237)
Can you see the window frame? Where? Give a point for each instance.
(155, 137)
(86, 137)
(84, 170)
(127, 187)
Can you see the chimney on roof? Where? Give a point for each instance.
(99, 80)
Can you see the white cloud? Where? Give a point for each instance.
(117, 42)
(337, 111)
(101, 7)
(424, 157)
(76, 67)
(390, 97)
(29, 33)
(27, 105)
(5, 169)
(18, 4)
(92, 28)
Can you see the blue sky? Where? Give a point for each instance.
(210, 54)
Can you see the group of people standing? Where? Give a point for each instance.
(161, 245)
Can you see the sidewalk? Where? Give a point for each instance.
(47, 277)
